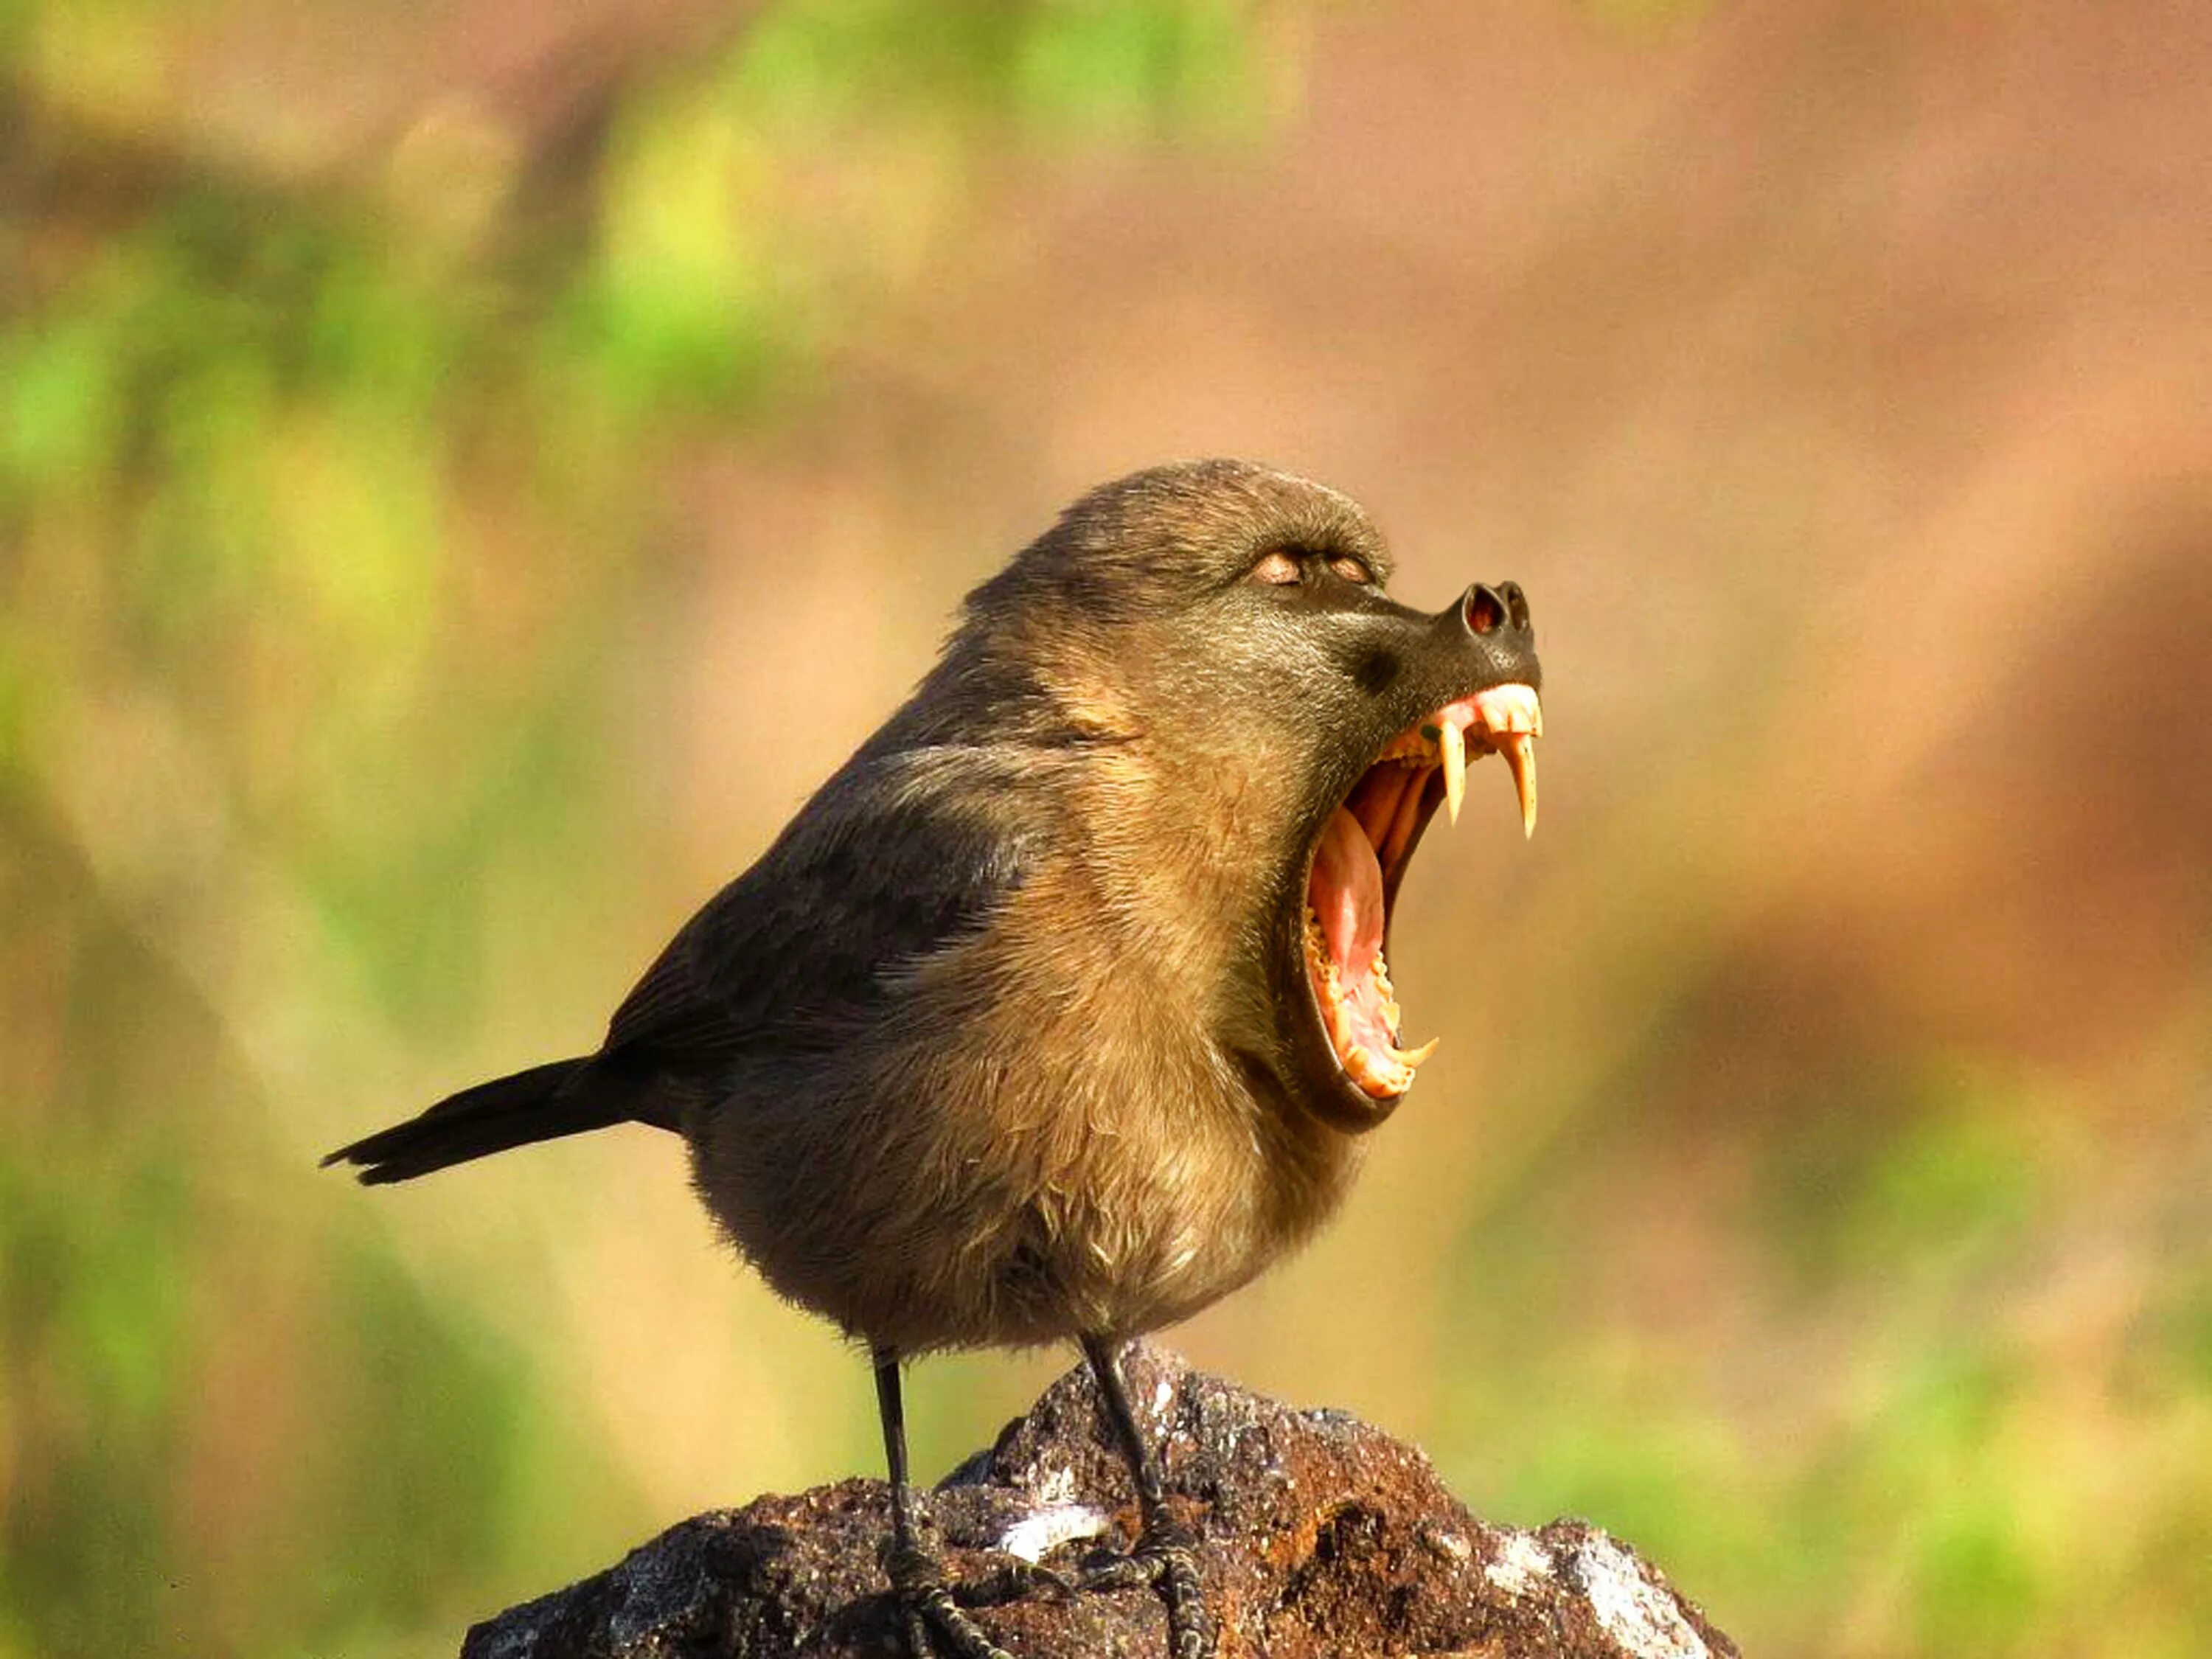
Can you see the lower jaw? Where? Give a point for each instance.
(1369, 1059)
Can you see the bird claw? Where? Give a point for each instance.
(1165, 1561)
(932, 1622)
(1013, 1582)
(932, 1611)
(1190, 1627)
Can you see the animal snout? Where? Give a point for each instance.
(1488, 609)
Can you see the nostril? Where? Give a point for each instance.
(1484, 609)
(1516, 603)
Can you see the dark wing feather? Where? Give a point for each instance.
(896, 858)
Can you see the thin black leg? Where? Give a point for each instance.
(925, 1604)
(1164, 1550)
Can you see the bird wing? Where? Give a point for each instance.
(897, 858)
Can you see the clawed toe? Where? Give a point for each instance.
(936, 1627)
(1013, 1582)
(1190, 1628)
(933, 1622)
(1165, 1561)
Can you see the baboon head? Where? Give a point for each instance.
(1267, 733)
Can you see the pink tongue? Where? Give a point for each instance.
(1347, 893)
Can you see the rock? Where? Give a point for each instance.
(1319, 1537)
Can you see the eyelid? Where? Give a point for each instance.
(1353, 570)
(1277, 569)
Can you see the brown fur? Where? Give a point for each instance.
(1004, 1040)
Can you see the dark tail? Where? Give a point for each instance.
(564, 1098)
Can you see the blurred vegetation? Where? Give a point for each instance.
(335, 503)
(322, 499)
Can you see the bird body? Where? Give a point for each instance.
(1056, 1131)
(1058, 1011)
(1057, 1141)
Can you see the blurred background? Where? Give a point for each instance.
(468, 469)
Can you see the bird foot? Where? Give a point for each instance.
(934, 1623)
(1166, 1559)
(1015, 1581)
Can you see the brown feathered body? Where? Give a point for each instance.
(1001, 1042)
(1063, 1117)
(1039, 1147)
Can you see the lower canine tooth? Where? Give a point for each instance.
(1411, 1058)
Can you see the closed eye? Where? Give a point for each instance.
(1285, 568)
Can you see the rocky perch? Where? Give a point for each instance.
(1318, 1536)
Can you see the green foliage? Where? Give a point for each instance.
(94, 1316)
(435, 1404)
(1090, 67)
(1899, 1170)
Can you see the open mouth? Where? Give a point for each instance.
(1362, 857)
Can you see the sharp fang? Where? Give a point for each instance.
(1411, 1058)
(1453, 742)
(1520, 751)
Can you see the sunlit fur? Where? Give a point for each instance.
(1062, 1128)
(1009, 1038)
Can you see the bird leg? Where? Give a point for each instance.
(926, 1606)
(1165, 1552)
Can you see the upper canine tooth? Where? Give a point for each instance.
(1453, 743)
(1520, 751)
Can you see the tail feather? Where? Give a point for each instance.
(565, 1098)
